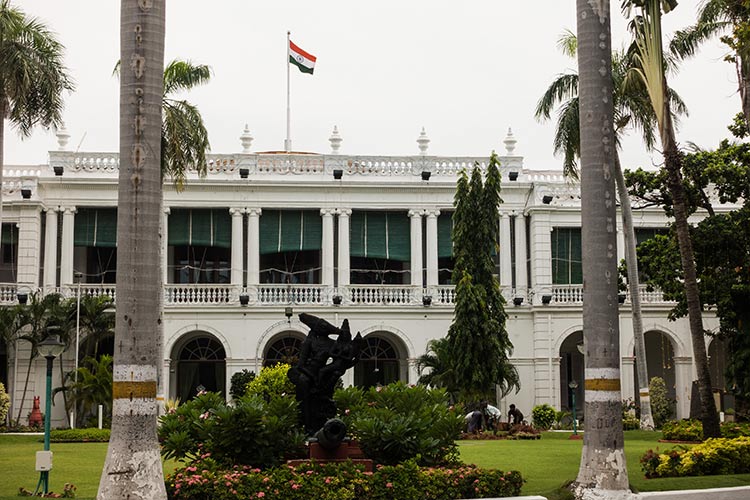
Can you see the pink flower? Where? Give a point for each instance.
(266, 479)
(295, 486)
(261, 494)
(389, 485)
(347, 411)
(328, 480)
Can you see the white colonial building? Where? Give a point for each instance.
(265, 236)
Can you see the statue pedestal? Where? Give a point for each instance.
(346, 451)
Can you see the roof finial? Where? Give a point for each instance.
(62, 137)
(510, 143)
(335, 140)
(423, 142)
(246, 139)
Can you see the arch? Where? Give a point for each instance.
(571, 369)
(198, 361)
(283, 347)
(271, 333)
(677, 344)
(384, 359)
(565, 334)
(718, 357)
(659, 361)
(402, 340)
(178, 336)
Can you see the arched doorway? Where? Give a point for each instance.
(718, 358)
(659, 362)
(200, 365)
(572, 370)
(380, 362)
(284, 348)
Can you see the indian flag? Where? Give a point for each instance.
(304, 61)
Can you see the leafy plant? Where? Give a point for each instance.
(662, 407)
(712, 457)
(543, 416)
(271, 383)
(238, 383)
(80, 435)
(4, 403)
(683, 430)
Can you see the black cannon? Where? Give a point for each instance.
(331, 435)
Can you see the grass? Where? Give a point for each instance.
(546, 464)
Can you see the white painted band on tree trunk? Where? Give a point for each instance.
(607, 373)
(138, 406)
(139, 373)
(603, 396)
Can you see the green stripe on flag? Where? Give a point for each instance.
(301, 67)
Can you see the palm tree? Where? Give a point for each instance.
(603, 458)
(9, 328)
(32, 76)
(94, 386)
(714, 18)
(631, 108)
(133, 465)
(97, 323)
(440, 373)
(649, 70)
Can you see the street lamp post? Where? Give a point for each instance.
(50, 348)
(78, 276)
(573, 386)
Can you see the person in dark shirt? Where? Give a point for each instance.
(515, 416)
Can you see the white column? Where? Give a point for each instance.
(627, 376)
(326, 278)
(253, 246)
(66, 252)
(344, 215)
(236, 254)
(506, 272)
(165, 244)
(29, 236)
(683, 381)
(432, 247)
(50, 250)
(416, 247)
(522, 282)
(620, 240)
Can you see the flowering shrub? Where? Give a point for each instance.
(630, 422)
(4, 403)
(733, 429)
(397, 422)
(682, 430)
(253, 432)
(271, 383)
(343, 481)
(712, 457)
(544, 416)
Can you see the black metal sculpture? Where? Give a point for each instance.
(322, 362)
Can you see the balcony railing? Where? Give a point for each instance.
(292, 294)
(175, 294)
(573, 294)
(383, 295)
(8, 293)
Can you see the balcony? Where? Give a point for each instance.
(573, 295)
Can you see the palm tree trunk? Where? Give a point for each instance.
(64, 393)
(25, 388)
(602, 466)
(3, 111)
(631, 260)
(743, 77)
(673, 166)
(133, 466)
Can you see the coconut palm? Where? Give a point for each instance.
(97, 323)
(9, 328)
(133, 465)
(93, 387)
(649, 70)
(440, 373)
(32, 76)
(730, 18)
(603, 458)
(631, 109)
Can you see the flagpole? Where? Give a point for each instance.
(288, 140)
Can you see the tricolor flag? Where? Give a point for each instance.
(304, 61)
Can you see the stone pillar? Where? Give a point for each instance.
(29, 236)
(253, 246)
(165, 245)
(50, 251)
(236, 254)
(416, 247)
(326, 277)
(627, 377)
(506, 271)
(683, 381)
(66, 252)
(432, 247)
(522, 281)
(541, 254)
(344, 271)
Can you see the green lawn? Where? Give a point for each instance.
(546, 464)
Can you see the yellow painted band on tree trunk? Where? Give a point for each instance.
(602, 384)
(128, 390)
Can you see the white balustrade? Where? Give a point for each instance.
(567, 294)
(382, 294)
(651, 295)
(443, 295)
(271, 294)
(8, 293)
(290, 164)
(191, 294)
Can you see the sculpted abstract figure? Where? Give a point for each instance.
(322, 362)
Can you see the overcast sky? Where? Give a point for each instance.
(466, 71)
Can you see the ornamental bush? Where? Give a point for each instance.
(271, 383)
(662, 406)
(682, 430)
(397, 422)
(712, 457)
(4, 403)
(238, 383)
(206, 479)
(543, 416)
(91, 435)
(253, 432)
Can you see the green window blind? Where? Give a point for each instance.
(10, 234)
(566, 256)
(646, 233)
(290, 231)
(445, 229)
(209, 227)
(95, 227)
(380, 235)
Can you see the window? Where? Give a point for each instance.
(200, 241)
(285, 350)
(566, 256)
(378, 364)
(9, 254)
(446, 261)
(95, 244)
(290, 246)
(379, 248)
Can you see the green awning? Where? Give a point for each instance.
(208, 227)
(10, 234)
(380, 235)
(290, 231)
(444, 230)
(95, 227)
(567, 268)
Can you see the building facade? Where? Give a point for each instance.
(265, 236)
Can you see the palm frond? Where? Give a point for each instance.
(567, 43)
(563, 88)
(184, 141)
(184, 75)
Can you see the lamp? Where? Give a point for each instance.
(58, 169)
(25, 193)
(547, 199)
(621, 298)
(517, 301)
(426, 175)
(573, 385)
(512, 176)
(427, 300)
(337, 300)
(288, 312)
(22, 297)
(546, 299)
(244, 172)
(50, 348)
(338, 173)
(244, 299)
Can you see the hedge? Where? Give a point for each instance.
(91, 435)
(712, 457)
